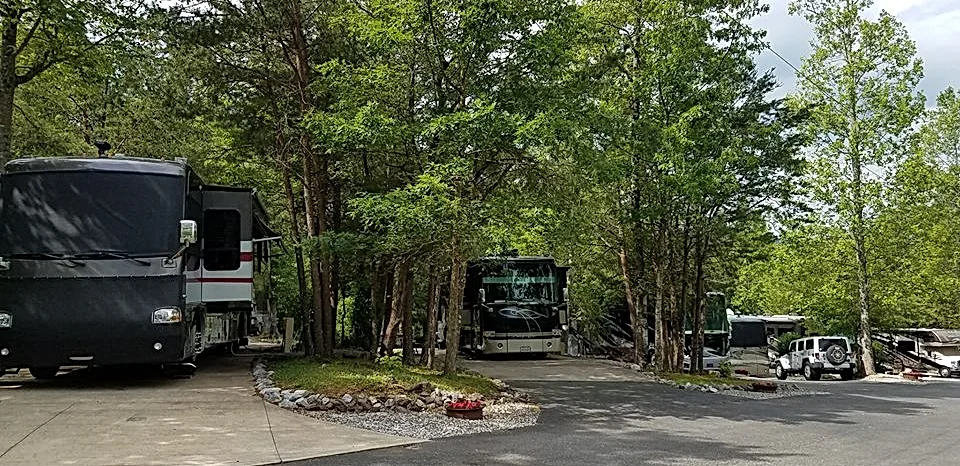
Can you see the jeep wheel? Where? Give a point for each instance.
(846, 374)
(945, 372)
(836, 355)
(781, 372)
(810, 373)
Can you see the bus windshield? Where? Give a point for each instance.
(73, 212)
(521, 282)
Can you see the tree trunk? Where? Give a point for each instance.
(389, 291)
(858, 231)
(318, 330)
(865, 340)
(315, 283)
(342, 340)
(458, 276)
(401, 275)
(334, 269)
(305, 308)
(8, 85)
(377, 293)
(327, 309)
(407, 325)
(662, 340)
(315, 182)
(674, 326)
(700, 311)
(433, 306)
(637, 326)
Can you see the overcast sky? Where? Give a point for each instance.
(933, 24)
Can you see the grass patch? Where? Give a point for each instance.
(334, 378)
(707, 379)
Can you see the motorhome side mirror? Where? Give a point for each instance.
(483, 295)
(188, 232)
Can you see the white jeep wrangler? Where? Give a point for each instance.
(814, 356)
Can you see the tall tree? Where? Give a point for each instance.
(689, 144)
(860, 82)
(36, 35)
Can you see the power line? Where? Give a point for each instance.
(797, 72)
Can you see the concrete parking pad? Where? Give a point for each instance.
(96, 418)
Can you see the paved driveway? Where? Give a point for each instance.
(97, 418)
(599, 414)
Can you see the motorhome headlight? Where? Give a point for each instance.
(6, 320)
(167, 315)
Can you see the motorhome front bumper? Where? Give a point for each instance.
(166, 345)
(521, 345)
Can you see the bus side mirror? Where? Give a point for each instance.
(482, 295)
(188, 232)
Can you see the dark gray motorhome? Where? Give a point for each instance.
(514, 305)
(115, 261)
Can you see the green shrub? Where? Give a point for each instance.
(726, 369)
(782, 344)
(390, 362)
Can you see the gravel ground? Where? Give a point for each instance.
(435, 425)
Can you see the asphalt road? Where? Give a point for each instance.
(611, 419)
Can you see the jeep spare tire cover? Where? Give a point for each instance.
(836, 354)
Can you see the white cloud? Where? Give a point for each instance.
(899, 6)
(930, 23)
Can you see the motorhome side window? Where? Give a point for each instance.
(221, 240)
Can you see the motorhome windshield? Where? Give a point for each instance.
(512, 281)
(62, 212)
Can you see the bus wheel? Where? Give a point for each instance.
(44, 372)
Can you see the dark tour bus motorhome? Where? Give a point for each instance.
(514, 305)
(116, 261)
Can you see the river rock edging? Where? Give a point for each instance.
(420, 397)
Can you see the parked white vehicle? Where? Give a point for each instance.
(711, 360)
(814, 356)
(949, 365)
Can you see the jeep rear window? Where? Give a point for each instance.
(827, 342)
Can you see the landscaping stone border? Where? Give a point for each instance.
(420, 397)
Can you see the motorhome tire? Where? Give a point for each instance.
(44, 372)
(781, 372)
(945, 372)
